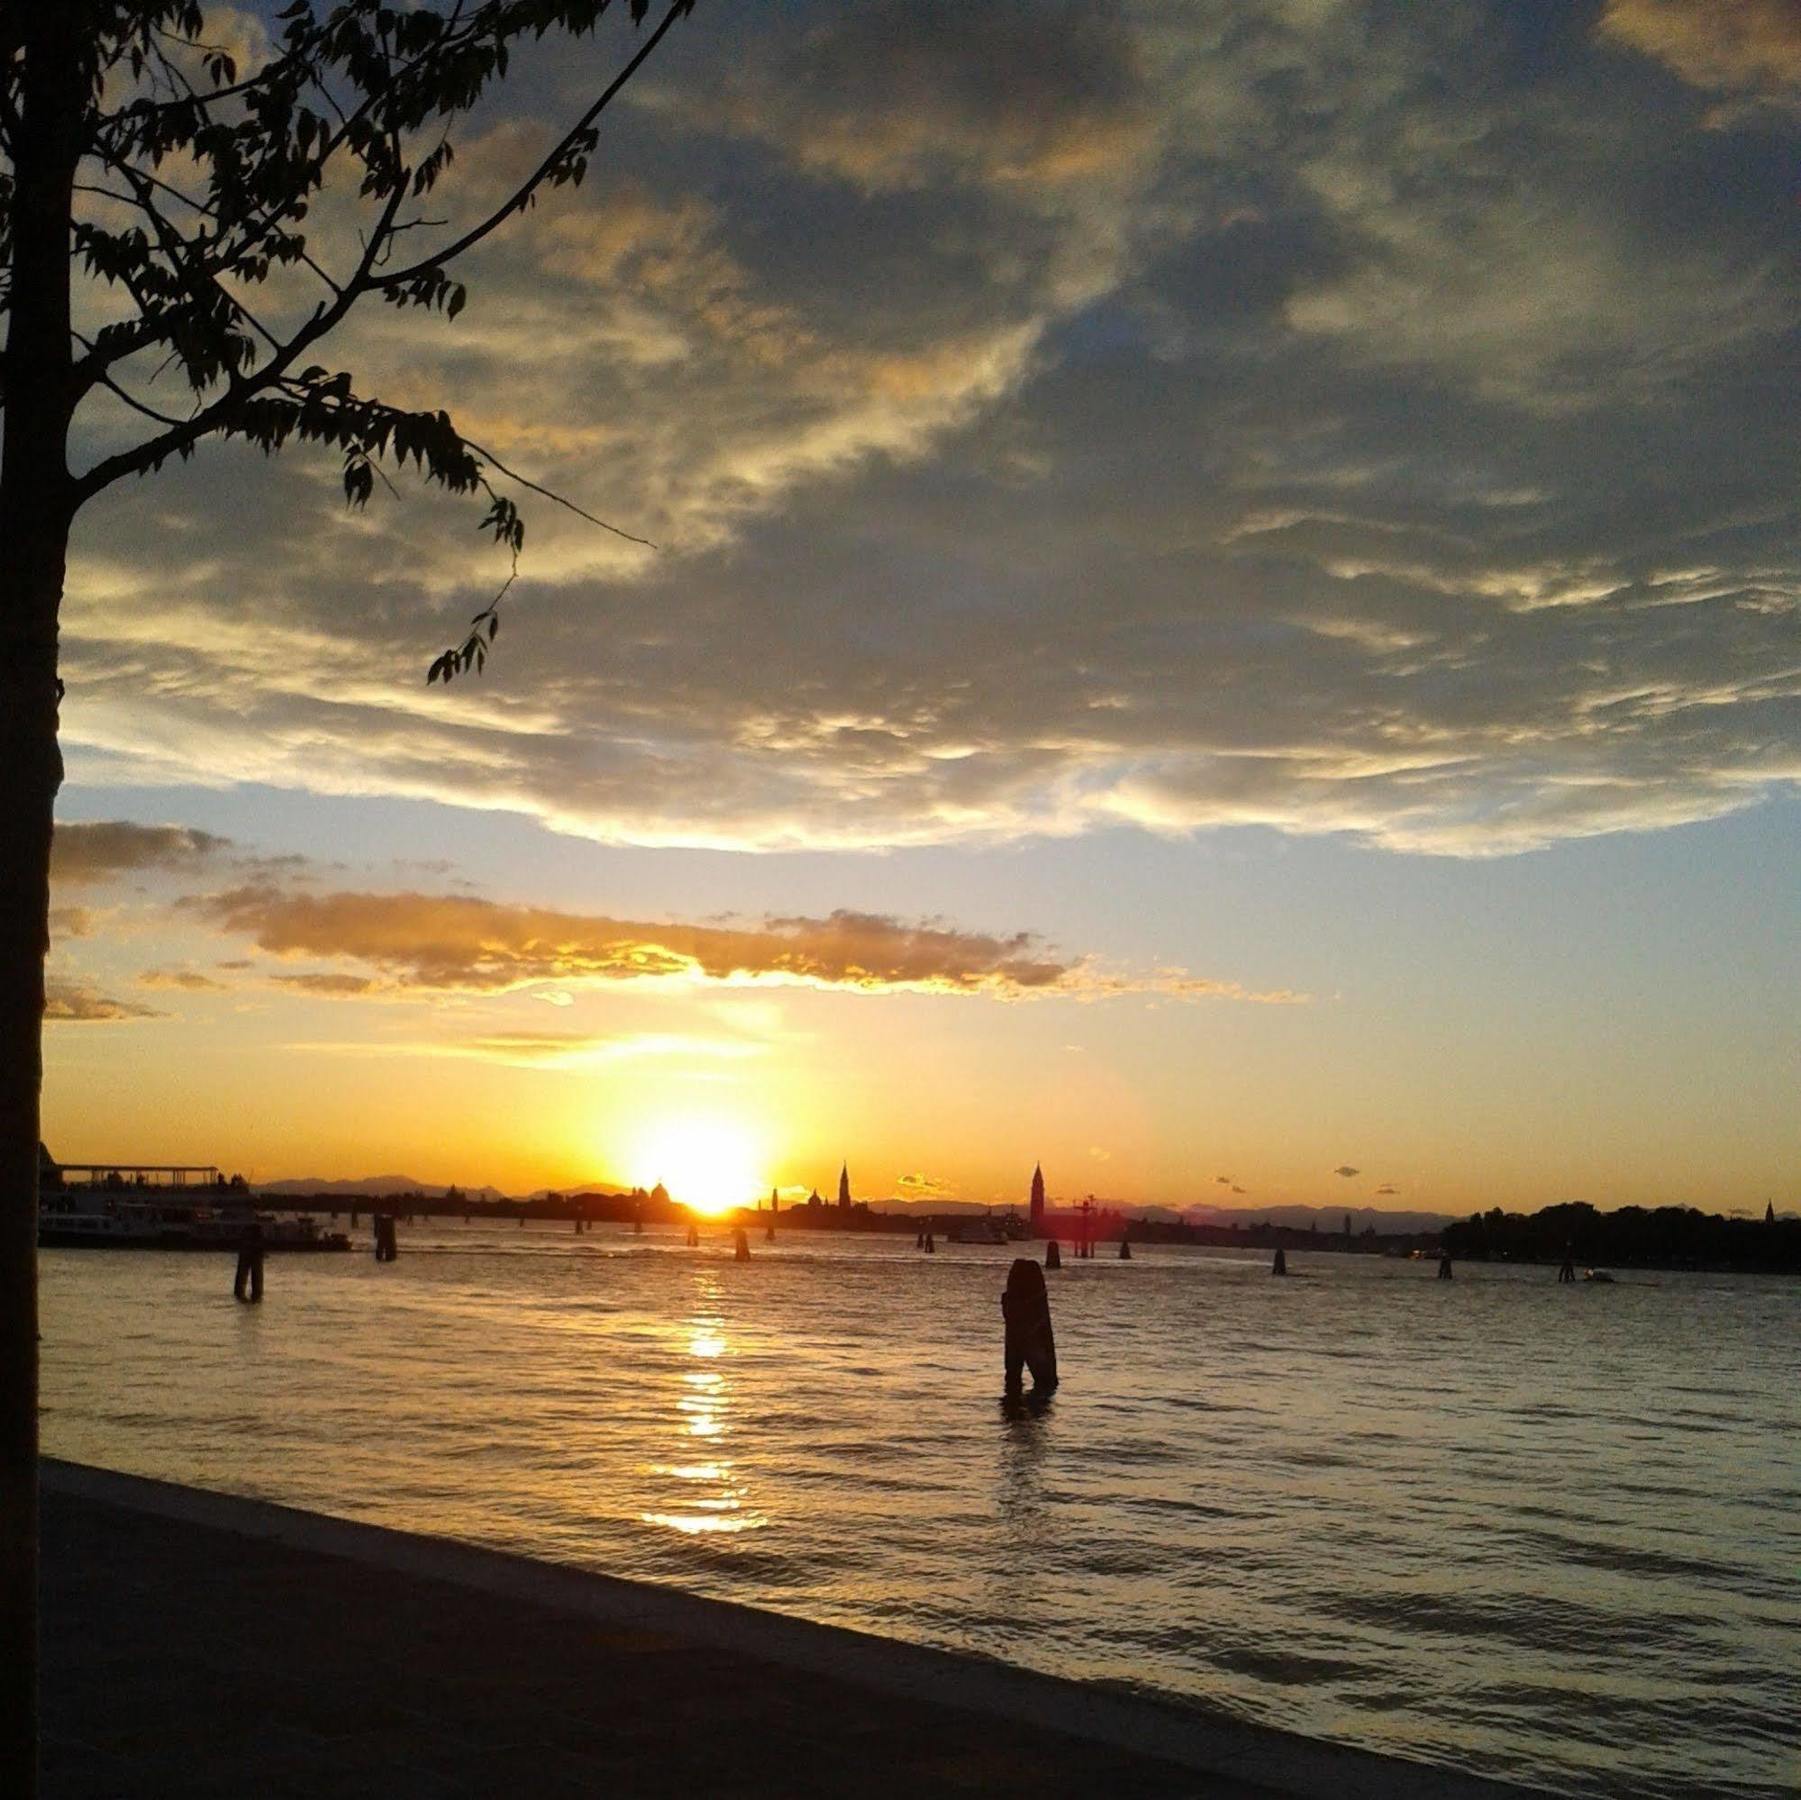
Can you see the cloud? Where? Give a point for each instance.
(1732, 46)
(897, 95)
(458, 942)
(1223, 1180)
(76, 1002)
(187, 980)
(331, 982)
(92, 852)
(68, 922)
(924, 1187)
(1388, 1187)
(549, 1050)
(1346, 1171)
(1063, 421)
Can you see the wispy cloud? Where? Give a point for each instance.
(73, 1002)
(70, 922)
(924, 1187)
(186, 980)
(332, 983)
(549, 1050)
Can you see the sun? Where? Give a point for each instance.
(708, 1163)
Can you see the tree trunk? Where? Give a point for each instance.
(28, 755)
(36, 508)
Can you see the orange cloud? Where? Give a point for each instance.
(456, 941)
(554, 1049)
(925, 1187)
(459, 942)
(331, 982)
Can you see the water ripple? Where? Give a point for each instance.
(1497, 1524)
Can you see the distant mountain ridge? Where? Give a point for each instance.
(381, 1187)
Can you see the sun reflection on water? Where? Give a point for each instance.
(708, 1498)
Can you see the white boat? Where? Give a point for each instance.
(128, 1217)
(978, 1231)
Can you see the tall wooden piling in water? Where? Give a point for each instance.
(1027, 1339)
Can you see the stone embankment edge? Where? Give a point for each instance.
(1229, 1750)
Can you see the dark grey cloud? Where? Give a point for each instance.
(1342, 418)
(1742, 47)
(103, 849)
(1346, 1171)
(901, 93)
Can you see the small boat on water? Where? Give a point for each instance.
(84, 1222)
(978, 1231)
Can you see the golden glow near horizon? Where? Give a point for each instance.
(710, 1162)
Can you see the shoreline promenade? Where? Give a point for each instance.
(201, 1645)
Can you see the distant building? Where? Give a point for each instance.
(1036, 1211)
(1769, 1208)
(775, 1200)
(844, 1188)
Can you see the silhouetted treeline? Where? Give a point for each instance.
(1669, 1237)
(654, 1208)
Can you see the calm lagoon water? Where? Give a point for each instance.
(1548, 1533)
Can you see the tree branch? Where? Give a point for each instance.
(550, 494)
(521, 196)
(136, 405)
(171, 443)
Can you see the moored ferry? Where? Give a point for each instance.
(987, 1229)
(161, 1206)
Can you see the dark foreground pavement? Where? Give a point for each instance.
(201, 1646)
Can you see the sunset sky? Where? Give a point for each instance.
(1226, 615)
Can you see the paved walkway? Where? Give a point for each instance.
(199, 1646)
